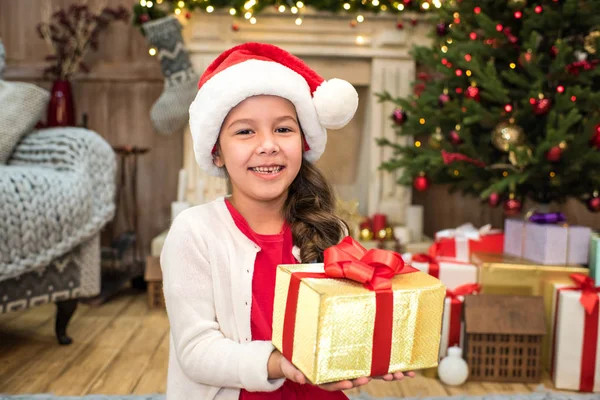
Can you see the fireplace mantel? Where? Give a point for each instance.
(373, 56)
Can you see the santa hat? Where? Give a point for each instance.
(253, 69)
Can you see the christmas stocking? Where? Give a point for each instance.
(170, 112)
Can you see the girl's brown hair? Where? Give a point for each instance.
(310, 211)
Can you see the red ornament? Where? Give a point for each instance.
(399, 25)
(443, 99)
(512, 207)
(441, 29)
(458, 90)
(518, 14)
(418, 89)
(595, 141)
(455, 138)
(144, 18)
(508, 108)
(541, 106)
(538, 9)
(473, 35)
(399, 116)
(468, 57)
(413, 21)
(494, 200)
(421, 183)
(477, 10)
(353, 24)
(458, 72)
(553, 51)
(473, 93)
(560, 88)
(188, 15)
(423, 76)
(554, 154)
(235, 27)
(499, 28)
(593, 204)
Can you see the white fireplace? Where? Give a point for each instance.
(373, 56)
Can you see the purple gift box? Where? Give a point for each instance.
(547, 244)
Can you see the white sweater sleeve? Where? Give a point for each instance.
(204, 354)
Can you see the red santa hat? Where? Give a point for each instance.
(253, 69)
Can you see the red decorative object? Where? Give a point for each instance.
(441, 29)
(353, 23)
(541, 106)
(477, 10)
(235, 27)
(452, 157)
(468, 57)
(560, 89)
(518, 14)
(595, 141)
(61, 109)
(421, 183)
(473, 93)
(576, 67)
(458, 72)
(144, 18)
(379, 222)
(553, 51)
(508, 108)
(593, 204)
(418, 89)
(443, 99)
(538, 9)
(413, 21)
(455, 138)
(554, 154)
(188, 15)
(399, 25)
(459, 90)
(526, 58)
(512, 207)
(494, 200)
(399, 116)
(499, 28)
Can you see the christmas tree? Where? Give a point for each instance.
(509, 105)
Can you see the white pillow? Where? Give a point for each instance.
(22, 105)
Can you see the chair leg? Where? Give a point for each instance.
(64, 312)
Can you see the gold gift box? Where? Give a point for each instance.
(504, 274)
(333, 335)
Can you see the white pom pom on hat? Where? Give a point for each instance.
(253, 69)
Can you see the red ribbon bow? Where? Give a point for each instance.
(589, 291)
(463, 290)
(434, 266)
(454, 328)
(374, 268)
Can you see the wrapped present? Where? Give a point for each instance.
(360, 313)
(594, 257)
(452, 273)
(575, 353)
(546, 242)
(505, 274)
(461, 242)
(452, 320)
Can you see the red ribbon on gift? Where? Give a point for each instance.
(434, 266)
(456, 310)
(375, 269)
(589, 301)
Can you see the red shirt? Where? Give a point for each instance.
(275, 250)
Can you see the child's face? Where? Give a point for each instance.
(260, 145)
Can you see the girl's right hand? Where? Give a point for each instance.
(279, 367)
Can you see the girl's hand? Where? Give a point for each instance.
(279, 367)
(345, 385)
(397, 376)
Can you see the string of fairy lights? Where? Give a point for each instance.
(249, 9)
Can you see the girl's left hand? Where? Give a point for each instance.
(397, 376)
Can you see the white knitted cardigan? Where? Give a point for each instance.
(56, 192)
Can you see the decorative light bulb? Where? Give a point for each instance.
(294, 10)
(346, 6)
(299, 4)
(210, 9)
(232, 11)
(149, 4)
(253, 20)
(360, 18)
(152, 51)
(282, 8)
(181, 4)
(298, 21)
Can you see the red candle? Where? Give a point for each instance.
(379, 223)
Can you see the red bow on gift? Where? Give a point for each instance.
(373, 268)
(589, 291)
(463, 290)
(434, 266)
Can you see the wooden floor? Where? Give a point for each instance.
(122, 347)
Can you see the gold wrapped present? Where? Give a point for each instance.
(379, 319)
(504, 274)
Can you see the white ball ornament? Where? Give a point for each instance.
(453, 369)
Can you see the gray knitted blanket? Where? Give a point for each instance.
(56, 192)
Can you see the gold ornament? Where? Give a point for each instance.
(389, 233)
(517, 4)
(435, 140)
(507, 134)
(381, 234)
(521, 156)
(589, 43)
(366, 234)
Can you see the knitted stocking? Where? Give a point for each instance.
(170, 112)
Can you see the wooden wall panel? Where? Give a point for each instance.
(116, 96)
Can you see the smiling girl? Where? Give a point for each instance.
(259, 119)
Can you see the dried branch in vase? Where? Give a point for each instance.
(71, 33)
